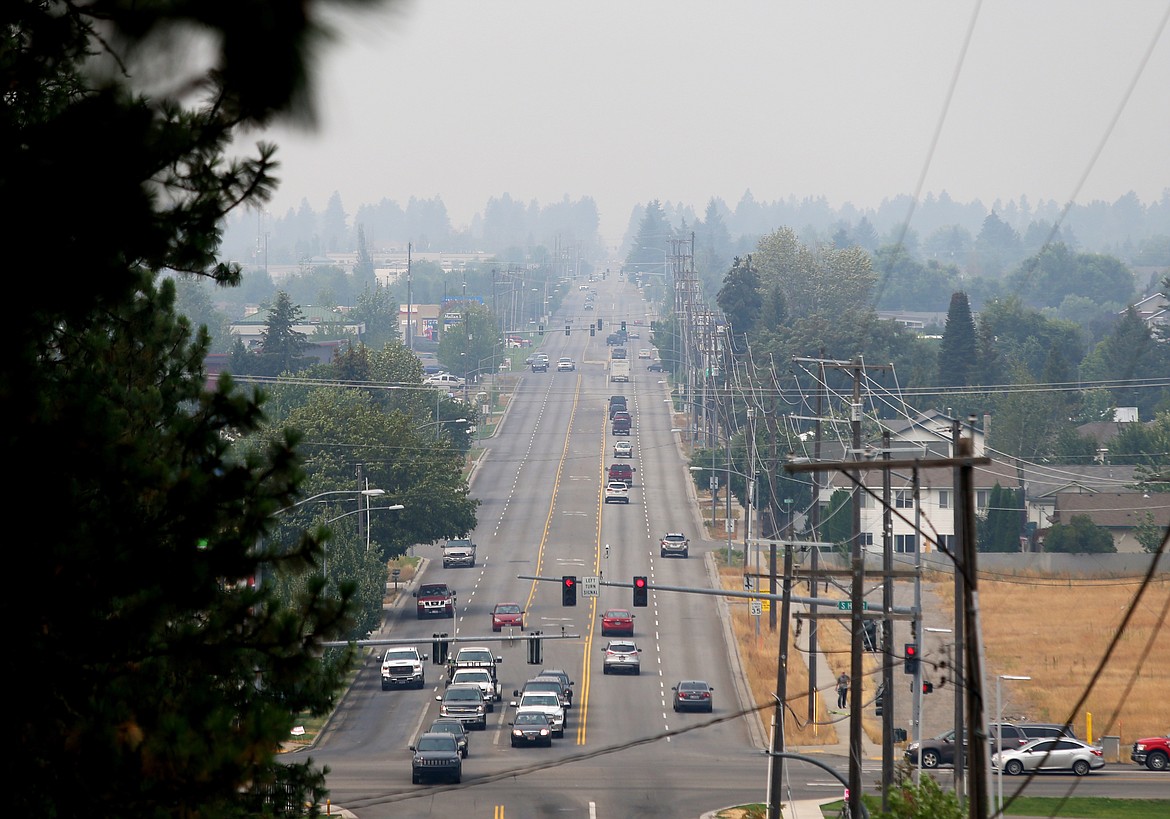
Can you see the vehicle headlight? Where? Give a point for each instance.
(516, 732)
(1139, 746)
(913, 746)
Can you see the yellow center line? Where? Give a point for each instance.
(587, 659)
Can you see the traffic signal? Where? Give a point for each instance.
(623, 326)
(910, 661)
(566, 329)
(439, 649)
(540, 327)
(599, 324)
(640, 591)
(535, 648)
(592, 331)
(569, 590)
(869, 635)
(927, 687)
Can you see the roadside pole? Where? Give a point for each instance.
(887, 653)
(776, 773)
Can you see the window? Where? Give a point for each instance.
(944, 499)
(864, 501)
(982, 496)
(946, 543)
(905, 543)
(904, 499)
(867, 540)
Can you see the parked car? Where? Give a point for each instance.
(565, 365)
(623, 449)
(1153, 752)
(444, 380)
(693, 695)
(445, 725)
(617, 621)
(507, 615)
(622, 655)
(531, 728)
(1045, 730)
(1063, 754)
(674, 544)
(436, 756)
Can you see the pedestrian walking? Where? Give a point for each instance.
(842, 690)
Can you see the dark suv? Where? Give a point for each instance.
(623, 473)
(1045, 730)
(617, 403)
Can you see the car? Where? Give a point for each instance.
(436, 756)
(445, 725)
(617, 403)
(565, 365)
(484, 679)
(542, 702)
(507, 615)
(563, 676)
(582, 287)
(540, 365)
(464, 702)
(644, 354)
(623, 449)
(622, 655)
(617, 621)
(528, 360)
(618, 353)
(617, 492)
(621, 472)
(403, 666)
(531, 728)
(1045, 730)
(473, 657)
(1060, 754)
(674, 544)
(549, 685)
(693, 695)
(1153, 752)
(444, 380)
(633, 334)
(656, 367)
(588, 305)
(930, 753)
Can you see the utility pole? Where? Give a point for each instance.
(887, 631)
(776, 769)
(957, 553)
(976, 710)
(814, 561)
(409, 306)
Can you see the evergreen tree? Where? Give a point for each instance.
(282, 346)
(163, 677)
(957, 353)
(1079, 536)
(739, 299)
(1000, 530)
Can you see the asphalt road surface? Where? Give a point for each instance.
(625, 752)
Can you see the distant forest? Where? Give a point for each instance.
(978, 239)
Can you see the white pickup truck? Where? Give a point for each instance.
(460, 552)
(403, 666)
(482, 677)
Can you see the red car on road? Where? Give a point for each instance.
(507, 615)
(617, 621)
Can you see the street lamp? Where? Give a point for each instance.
(325, 551)
(999, 732)
(369, 493)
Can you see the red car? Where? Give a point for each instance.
(507, 614)
(617, 621)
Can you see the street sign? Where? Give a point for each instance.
(766, 605)
(757, 608)
(847, 605)
(591, 586)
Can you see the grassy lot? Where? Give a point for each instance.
(1056, 630)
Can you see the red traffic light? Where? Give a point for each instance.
(569, 581)
(639, 582)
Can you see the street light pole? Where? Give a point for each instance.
(325, 551)
(999, 735)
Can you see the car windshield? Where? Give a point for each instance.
(478, 656)
(460, 694)
(542, 700)
(692, 686)
(551, 672)
(616, 614)
(531, 719)
(432, 589)
(401, 655)
(436, 743)
(621, 648)
(544, 685)
(447, 728)
(475, 676)
(507, 608)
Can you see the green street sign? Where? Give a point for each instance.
(847, 605)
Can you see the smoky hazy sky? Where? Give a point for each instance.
(683, 101)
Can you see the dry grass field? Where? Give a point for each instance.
(1056, 631)
(759, 656)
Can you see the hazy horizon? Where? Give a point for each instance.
(685, 101)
